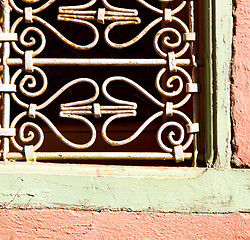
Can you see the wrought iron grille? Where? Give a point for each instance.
(50, 61)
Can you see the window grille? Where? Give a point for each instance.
(99, 79)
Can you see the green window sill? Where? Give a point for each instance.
(98, 187)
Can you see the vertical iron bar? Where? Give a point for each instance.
(6, 76)
(193, 50)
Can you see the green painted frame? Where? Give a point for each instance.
(218, 54)
(95, 187)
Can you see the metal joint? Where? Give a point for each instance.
(189, 37)
(28, 61)
(172, 62)
(178, 153)
(193, 128)
(8, 37)
(28, 15)
(97, 110)
(192, 87)
(169, 109)
(32, 110)
(7, 88)
(167, 13)
(29, 153)
(100, 15)
(7, 132)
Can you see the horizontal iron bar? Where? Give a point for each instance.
(96, 62)
(42, 156)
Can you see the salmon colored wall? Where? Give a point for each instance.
(66, 224)
(241, 83)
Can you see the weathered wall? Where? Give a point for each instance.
(66, 224)
(241, 83)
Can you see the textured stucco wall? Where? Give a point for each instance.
(241, 83)
(66, 224)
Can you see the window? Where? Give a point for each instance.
(101, 78)
(134, 188)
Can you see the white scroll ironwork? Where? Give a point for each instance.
(171, 42)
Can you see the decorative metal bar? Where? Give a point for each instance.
(93, 156)
(173, 42)
(96, 62)
(6, 76)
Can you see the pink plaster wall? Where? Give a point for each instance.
(67, 224)
(241, 83)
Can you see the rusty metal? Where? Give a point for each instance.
(112, 17)
(92, 156)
